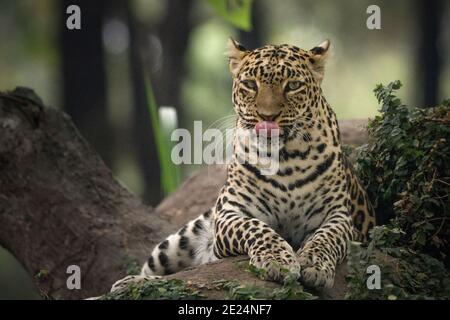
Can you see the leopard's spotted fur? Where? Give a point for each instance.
(299, 219)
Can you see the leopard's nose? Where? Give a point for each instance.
(268, 117)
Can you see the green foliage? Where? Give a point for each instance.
(132, 265)
(173, 289)
(42, 274)
(257, 272)
(237, 12)
(291, 290)
(237, 291)
(406, 168)
(170, 173)
(405, 273)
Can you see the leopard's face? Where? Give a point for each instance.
(276, 83)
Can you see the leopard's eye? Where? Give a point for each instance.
(250, 84)
(292, 86)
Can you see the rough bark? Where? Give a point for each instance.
(61, 206)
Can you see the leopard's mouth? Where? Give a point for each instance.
(283, 134)
(268, 129)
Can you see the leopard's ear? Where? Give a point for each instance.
(318, 58)
(236, 52)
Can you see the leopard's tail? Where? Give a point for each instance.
(192, 245)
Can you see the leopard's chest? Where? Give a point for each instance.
(292, 201)
(298, 213)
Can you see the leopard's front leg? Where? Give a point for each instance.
(326, 248)
(237, 234)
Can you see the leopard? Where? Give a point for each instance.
(297, 222)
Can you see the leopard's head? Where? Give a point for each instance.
(277, 84)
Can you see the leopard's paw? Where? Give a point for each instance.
(128, 280)
(316, 273)
(277, 267)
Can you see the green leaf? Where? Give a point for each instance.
(237, 12)
(170, 173)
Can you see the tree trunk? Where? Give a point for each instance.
(253, 39)
(429, 57)
(143, 134)
(83, 74)
(173, 31)
(60, 206)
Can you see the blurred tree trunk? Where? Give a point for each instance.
(173, 32)
(83, 74)
(254, 38)
(143, 132)
(429, 60)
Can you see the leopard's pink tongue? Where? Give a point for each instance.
(270, 128)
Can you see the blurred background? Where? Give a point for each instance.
(99, 74)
